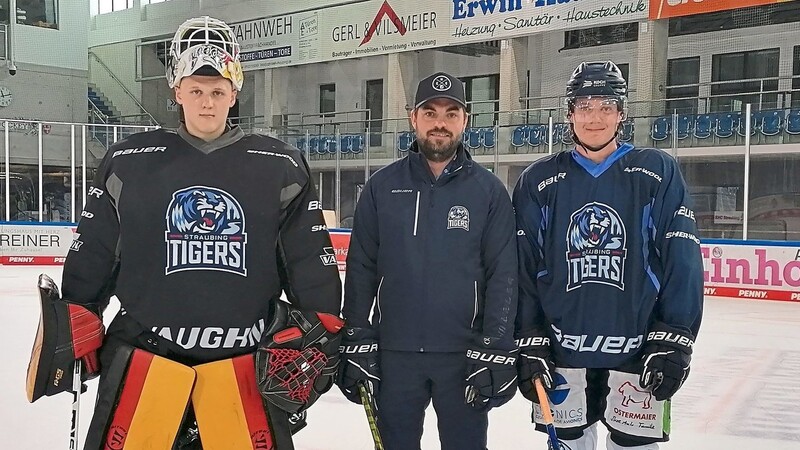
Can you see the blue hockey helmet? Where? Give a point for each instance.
(597, 79)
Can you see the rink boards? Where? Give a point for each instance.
(752, 270)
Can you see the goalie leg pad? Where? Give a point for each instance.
(66, 332)
(142, 401)
(229, 409)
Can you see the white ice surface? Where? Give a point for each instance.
(743, 392)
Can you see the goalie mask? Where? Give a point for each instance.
(204, 46)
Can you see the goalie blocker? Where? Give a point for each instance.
(67, 332)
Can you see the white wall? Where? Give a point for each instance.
(159, 18)
(64, 47)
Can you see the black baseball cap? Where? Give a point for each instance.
(440, 85)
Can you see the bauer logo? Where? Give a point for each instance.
(205, 231)
(458, 217)
(596, 247)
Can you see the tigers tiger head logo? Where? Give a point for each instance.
(204, 211)
(595, 226)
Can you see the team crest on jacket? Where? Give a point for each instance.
(205, 231)
(596, 247)
(458, 217)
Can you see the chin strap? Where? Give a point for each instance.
(588, 147)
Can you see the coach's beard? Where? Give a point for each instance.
(440, 153)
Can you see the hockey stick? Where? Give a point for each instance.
(74, 442)
(544, 403)
(369, 408)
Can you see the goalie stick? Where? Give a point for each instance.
(74, 442)
(47, 288)
(368, 401)
(544, 403)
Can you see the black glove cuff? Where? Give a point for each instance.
(536, 340)
(664, 335)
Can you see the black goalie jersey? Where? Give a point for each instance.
(195, 241)
(605, 249)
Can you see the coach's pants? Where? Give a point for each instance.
(409, 381)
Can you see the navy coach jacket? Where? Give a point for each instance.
(433, 261)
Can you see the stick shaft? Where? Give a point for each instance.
(369, 409)
(544, 402)
(74, 441)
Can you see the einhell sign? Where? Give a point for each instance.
(664, 9)
(756, 271)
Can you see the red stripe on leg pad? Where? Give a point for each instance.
(254, 411)
(128, 399)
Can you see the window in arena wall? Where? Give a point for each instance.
(684, 75)
(745, 77)
(373, 101)
(731, 19)
(796, 77)
(327, 98)
(38, 13)
(107, 6)
(593, 37)
(482, 93)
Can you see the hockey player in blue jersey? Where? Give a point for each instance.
(610, 289)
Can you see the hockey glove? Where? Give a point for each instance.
(667, 354)
(491, 374)
(535, 361)
(359, 362)
(67, 332)
(297, 357)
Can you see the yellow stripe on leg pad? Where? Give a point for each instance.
(162, 405)
(218, 407)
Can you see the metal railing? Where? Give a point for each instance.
(44, 161)
(151, 121)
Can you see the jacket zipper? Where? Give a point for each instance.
(416, 215)
(378, 300)
(475, 309)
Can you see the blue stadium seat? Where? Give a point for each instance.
(754, 124)
(793, 122)
(489, 137)
(301, 144)
(661, 128)
(537, 135)
(345, 143)
(331, 146)
(627, 131)
(726, 124)
(472, 138)
(703, 125)
(313, 145)
(404, 141)
(771, 122)
(565, 133)
(685, 125)
(519, 136)
(557, 132)
(357, 144)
